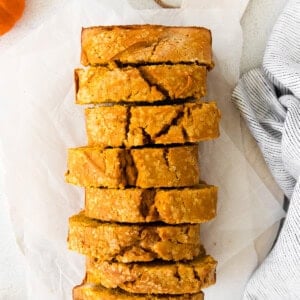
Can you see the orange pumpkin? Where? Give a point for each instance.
(10, 12)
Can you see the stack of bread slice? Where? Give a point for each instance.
(144, 198)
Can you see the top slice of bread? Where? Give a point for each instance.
(140, 44)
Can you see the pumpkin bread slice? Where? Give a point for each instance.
(128, 243)
(142, 167)
(173, 206)
(89, 292)
(140, 44)
(154, 278)
(139, 84)
(117, 126)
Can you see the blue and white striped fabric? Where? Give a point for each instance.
(269, 100)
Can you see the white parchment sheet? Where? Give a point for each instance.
(39, 121)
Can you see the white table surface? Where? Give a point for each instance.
(257, 23)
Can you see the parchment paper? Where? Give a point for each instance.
(39, 121)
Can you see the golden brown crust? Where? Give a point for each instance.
(147, 125)
(138, 44)
(154, 278)
(139, 84)
(144, 167)
(172, 206)
(128, 243)
(88, 292)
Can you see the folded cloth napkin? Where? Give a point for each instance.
(269, 100)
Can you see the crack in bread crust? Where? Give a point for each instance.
(127, 124)
(147, 206)
(131, 171)
(173, 122)
(152, 82)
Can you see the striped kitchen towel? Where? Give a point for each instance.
(269, 100)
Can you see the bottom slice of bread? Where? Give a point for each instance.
(154, 278)
(87, 292)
